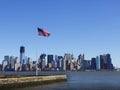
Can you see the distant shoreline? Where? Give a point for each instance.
(46, 73)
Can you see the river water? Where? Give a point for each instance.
(84, 81)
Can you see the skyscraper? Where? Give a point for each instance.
(72, 63)
(5, 65)
(56, 62)
(7, 58)
(93, 63)
(109, 62)
(98, 63)
(12, 63)
(106, 62)
(80, 62)
(22, 55)
(60, 63)
(68, 58)
(42, 61)
(17, 64)
(49, 61)
(64, 63)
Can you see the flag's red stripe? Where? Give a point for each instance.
(43, 32)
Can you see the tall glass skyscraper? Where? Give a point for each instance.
(42, 61)
(106, 62)
(49, 61)
(98, 63)
(22, 55)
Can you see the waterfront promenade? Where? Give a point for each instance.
(10, 82)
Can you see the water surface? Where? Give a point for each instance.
(84, 81)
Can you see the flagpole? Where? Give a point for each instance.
(41, 32)
(36, 63)
(36, 58)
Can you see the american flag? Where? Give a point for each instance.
(43, 32)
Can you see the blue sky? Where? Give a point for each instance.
(91, 27)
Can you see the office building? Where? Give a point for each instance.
(106, 62)
(49, 61)
(72, 63)
(17, 64)
(80, 62)
(12, 63)
(93, 63)
(5, 65)
(98, 65)
(7, 58)
(86, 64)
(60, 63)
(64, 63)
(22, 55)
(56, 62)
(0, 67)
(42, 61)
(109, 62)
(68, 57)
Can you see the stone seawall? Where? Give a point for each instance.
(30, 80)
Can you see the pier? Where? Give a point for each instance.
(15, 82)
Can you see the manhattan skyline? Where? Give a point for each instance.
(89, 27)
(52, 62)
